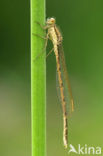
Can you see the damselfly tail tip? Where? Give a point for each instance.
(65, 142)
(65, 146)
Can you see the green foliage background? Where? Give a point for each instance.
(81, 23)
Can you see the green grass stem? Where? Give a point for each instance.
(38, 80)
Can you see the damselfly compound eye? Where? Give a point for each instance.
(50, 21)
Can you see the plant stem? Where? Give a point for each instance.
(38, 80)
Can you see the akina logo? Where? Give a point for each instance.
(85, 149)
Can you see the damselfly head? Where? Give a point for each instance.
(50, 21)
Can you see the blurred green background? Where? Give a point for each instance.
(81, 23)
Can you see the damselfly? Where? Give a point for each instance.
(55, 36)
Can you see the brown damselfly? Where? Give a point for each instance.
(55, 36)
